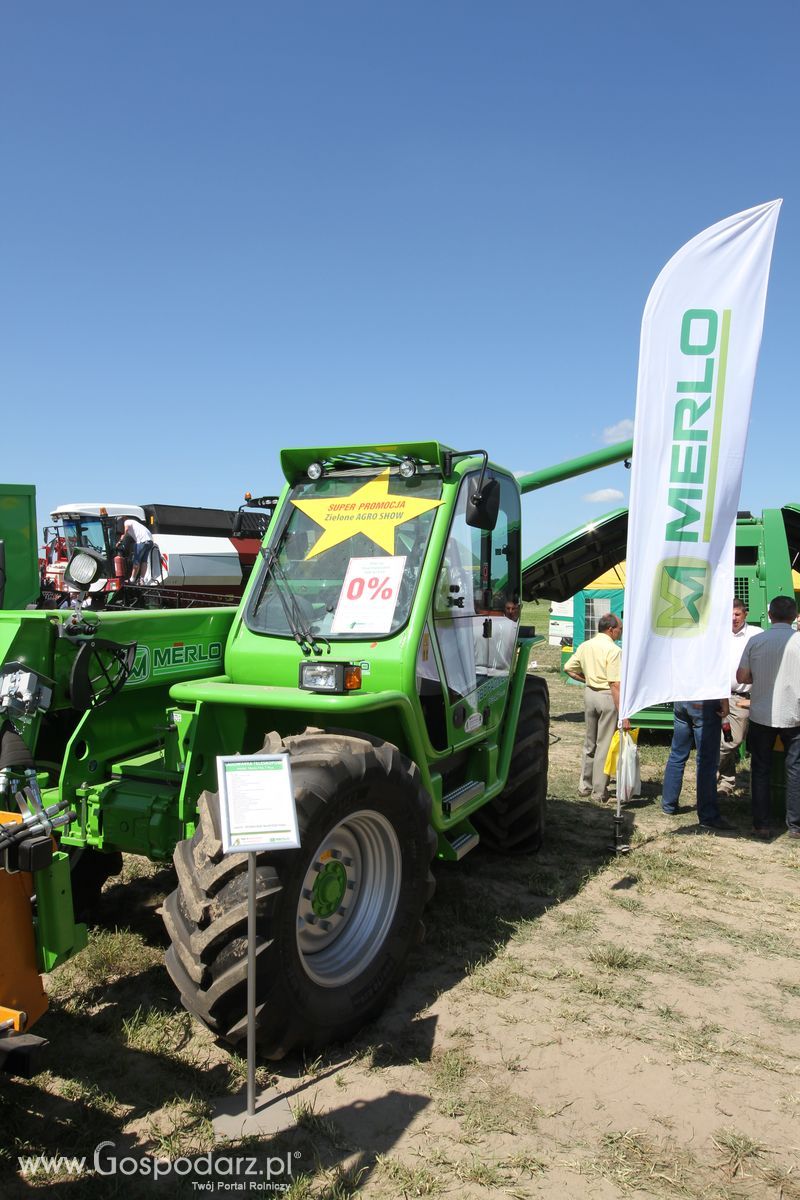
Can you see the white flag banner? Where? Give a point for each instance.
(701, 333)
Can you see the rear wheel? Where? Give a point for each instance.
(336, 919)
(513, 823)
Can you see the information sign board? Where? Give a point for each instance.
(257, 808)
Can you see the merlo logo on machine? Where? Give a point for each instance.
(372, 510)
(162, 661)
(681, 590)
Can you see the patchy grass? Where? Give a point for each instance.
(109, 955)
(157, 1032)
(237, 1074)
(739, 1151)
(181, 1127)
(634, 1162)
(451, 1069)
(409, 1181)
(499, 976)
(477, 1170)
(579, 920)
(526, 1164)
(496, 1111)
(702, 1042)
(663, 869)
(317, 1125)
(617, 958)
(628, 997)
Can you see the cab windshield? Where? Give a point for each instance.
(347, 557)
(86, 532)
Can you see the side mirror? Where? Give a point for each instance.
(483, 505)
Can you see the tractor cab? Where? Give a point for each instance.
(347, 558)
(93, 527)
(393, 569)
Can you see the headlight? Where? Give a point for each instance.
(84, 568)
(314, 470)
(407, 468)
(336, 678)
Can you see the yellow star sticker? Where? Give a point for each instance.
(371, 511)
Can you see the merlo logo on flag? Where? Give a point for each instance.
(681, 597)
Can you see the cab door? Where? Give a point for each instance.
(475, 615)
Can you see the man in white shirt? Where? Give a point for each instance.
(739, 703)
(143, 540)
(771, 664)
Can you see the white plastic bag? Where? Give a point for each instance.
(629, 782)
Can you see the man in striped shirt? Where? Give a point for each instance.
(771, 665)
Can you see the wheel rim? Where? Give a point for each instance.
(348, 898)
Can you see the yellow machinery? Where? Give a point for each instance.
(22, 997)
(35, 910)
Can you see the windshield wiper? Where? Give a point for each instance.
(300, 632)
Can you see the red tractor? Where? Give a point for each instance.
(199, 556)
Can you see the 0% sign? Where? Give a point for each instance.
(369, 594)
(377, 589)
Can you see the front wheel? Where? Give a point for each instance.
(336, 919)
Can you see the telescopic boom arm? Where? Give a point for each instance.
(575, 466)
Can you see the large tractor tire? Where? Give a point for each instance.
(336, 919)
(513, 823)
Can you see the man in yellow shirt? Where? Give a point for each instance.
(597, 664)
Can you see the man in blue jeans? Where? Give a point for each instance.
(696, 723)
(771, 665)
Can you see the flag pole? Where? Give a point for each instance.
(621, 846)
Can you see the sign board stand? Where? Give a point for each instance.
(258, 813)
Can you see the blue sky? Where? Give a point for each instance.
(232, 228)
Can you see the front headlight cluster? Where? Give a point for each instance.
(334, 677)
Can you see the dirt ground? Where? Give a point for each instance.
(576, 1024)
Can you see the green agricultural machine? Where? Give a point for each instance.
(767, 553)
(379, 646)
(19, 555)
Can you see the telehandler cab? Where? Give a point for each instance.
(379, 646)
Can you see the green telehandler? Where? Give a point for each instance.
(379, 646)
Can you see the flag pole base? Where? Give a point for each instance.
(620, 846)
